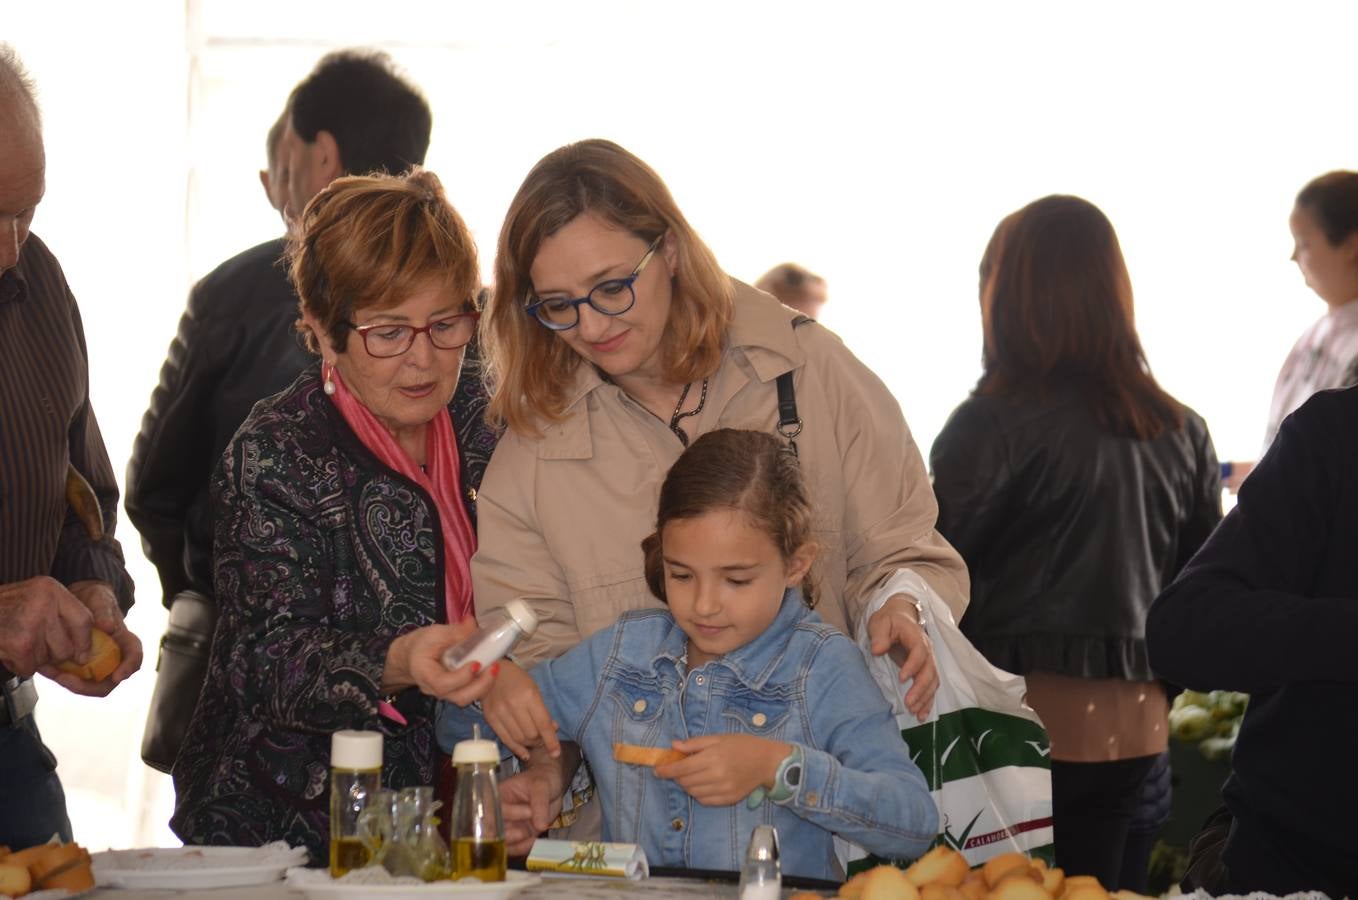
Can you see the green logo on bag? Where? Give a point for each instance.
(972, 741)
(958, 843)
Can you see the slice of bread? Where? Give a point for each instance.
(646, 756)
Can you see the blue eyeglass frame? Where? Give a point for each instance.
(532, 306)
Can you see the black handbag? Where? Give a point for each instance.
(180, 673)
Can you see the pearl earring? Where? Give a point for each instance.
(329, 385)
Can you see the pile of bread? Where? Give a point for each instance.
(45, 867)
(943, 874)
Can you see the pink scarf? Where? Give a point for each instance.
(442, 480)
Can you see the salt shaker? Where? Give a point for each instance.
(492, 641)
(761, 875)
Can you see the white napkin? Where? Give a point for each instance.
(588, 858)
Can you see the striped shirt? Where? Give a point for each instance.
(46, 422)
(1324, 357)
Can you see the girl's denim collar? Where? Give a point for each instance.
(751, 664)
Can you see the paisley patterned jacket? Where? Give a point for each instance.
(323, 556)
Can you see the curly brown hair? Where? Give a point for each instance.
(370, 241)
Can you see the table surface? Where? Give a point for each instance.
(569, 888)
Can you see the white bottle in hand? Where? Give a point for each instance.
(496, 638)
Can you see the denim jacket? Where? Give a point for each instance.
(801, 681)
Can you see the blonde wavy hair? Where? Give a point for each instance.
(370, 241)
(529, 368)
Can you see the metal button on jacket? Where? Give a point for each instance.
(639, 706)
(758, 720)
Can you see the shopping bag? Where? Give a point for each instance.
(983, 751)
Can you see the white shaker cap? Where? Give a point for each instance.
(356, 750)
(523, 615)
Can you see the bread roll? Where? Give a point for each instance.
(14, 880)
(27, 857)
(1077, 881)
(887, 883)
(68, 870)
(936, 891)
(941, 865)
(1093, 891)
(1027, 872)
(104, 658)
(1019, 887)
(973, 887)
(996, 867)
(1054, 880)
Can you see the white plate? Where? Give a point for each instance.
(318, 885)
(194, 867)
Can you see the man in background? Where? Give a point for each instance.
(794, 286)
(274, 177)
(237, 342)
(61, 573)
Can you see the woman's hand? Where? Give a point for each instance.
(531, 800)
(723, 769)
(514, 708)
(415, 659)
(896, 624)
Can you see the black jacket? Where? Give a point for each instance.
(236, 345)
(1270, 607)
(1068, 531)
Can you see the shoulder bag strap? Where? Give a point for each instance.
(789, 423)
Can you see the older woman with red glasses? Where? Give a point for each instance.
(344, 526)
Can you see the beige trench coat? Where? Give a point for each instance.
(561, 518)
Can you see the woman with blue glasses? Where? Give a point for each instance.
(614, 339)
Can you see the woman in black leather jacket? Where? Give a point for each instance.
(1075, 488)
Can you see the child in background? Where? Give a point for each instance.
(776, 711)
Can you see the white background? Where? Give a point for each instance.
(876, 143)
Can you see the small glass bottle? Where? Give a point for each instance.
(355, 784)
(493, 640)
(478, 826)
(416, 849)
(761, 877)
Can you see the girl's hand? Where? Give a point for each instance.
(896, 624)
(723, 769)
(514, 708)
(415, 660)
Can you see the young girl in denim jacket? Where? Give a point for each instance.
(776, 710)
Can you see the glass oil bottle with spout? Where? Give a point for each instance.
(355, 780)
(478, 824)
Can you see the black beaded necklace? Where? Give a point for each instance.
(681, 416)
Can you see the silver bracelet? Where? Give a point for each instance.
(919, 608)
